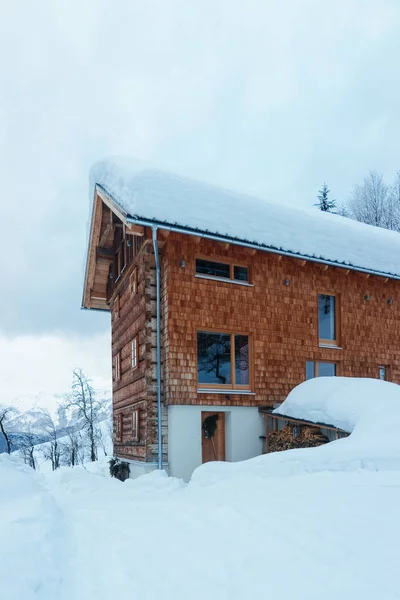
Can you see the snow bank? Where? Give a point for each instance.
(143, 191)
(345, 402)
(367, 408)
(31, 533)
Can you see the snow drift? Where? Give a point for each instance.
(369, 409)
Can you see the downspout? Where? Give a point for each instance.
(158, 350)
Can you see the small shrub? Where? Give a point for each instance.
(119, 469)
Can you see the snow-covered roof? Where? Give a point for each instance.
(145, 193)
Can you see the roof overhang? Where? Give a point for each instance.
(105, 214)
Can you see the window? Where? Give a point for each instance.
(136, 425)
(320, 369)
(117, 367)
(382, 373)
(221, 270)
(118, 427)
(223, 360)
(327, 325)
(133, 282)
(116, 307)
(135, 348)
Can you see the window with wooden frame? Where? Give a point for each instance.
(133, 282)
(135, 352)
(116, 307)
(320, 369)
(117, 367)
(328, 319)
(383, 373)
(136, 425)
(222, 270)
(118, 427)
(223, 360)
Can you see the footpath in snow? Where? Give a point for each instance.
(301, 524)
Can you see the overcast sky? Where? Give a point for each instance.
(270, 97)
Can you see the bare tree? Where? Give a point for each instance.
(83, 400)
(101, 440)
(27, 448)
(371, 202)
(6, 414)
(71, 447)
(51, 449)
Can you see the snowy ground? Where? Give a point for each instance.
(237, 531)
(78, 534)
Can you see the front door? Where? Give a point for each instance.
(212, 436)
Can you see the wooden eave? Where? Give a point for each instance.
(106, 216)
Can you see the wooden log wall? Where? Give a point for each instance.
(137, 387)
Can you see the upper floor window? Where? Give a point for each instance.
(117, 367)
(135, 348)
(327, 319)
(383, 373)
(320, 369)
(222, 270)
(223, 360)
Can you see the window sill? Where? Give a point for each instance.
(333, 346)
(225, 280)
(227, 392)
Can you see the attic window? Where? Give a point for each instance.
(221, 270)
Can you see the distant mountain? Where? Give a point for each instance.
(33, 420)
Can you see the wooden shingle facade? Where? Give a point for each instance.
(240, 327)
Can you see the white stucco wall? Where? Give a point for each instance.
(243, 426)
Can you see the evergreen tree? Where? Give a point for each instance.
(324, 203)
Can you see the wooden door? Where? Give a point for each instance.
(212, 436)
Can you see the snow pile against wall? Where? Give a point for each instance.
(144, 192)
(367, 408)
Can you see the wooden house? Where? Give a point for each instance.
(221, 303)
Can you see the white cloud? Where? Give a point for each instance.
(268, 96)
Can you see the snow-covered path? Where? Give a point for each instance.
(324, 535)
(83, 536)
(35, 543)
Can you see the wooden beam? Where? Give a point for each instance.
(134, 229)
(365, 275)
(225, 245)
(279, 257)
(105, 234)
(346, 271)
(196, 239)
(300, 261)
(323, 267)
(98, 295)
(251, 251)
(104, 253)
(165, 233)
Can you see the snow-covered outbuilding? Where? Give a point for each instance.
(221, 304)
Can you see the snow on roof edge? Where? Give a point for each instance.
(143, 185)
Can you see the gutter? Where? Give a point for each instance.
(254, 246)
(154, 229)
